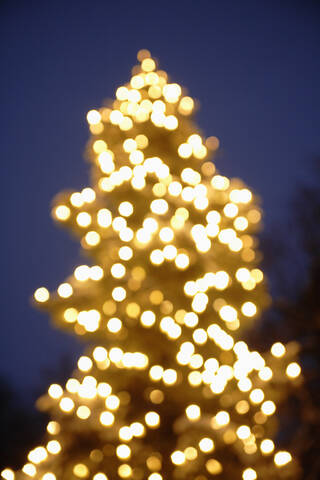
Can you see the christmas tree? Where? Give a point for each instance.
(168, 388)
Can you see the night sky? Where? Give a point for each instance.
(253, 66)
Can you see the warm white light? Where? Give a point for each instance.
(65, 290)
(278, 350)
(282, 458)
(249, 474)
(62, 212)
(193, 412)
(107, 419)
(206, 445)
(293, 370)
(147, 318)
(243, 432)
(93, 117)
(267, 446)
(114, 325)
(152, 419)
(178, 457)
(41, 295)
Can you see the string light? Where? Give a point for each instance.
(173, 284)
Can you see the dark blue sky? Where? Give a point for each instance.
(253, 65)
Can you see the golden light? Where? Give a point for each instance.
(76, 199)
(83, 412)
(152, 419)
(82, 273)
(147, 318)
(118, 270)
(137, 429)
(249, 309)
(222, 418)
(93, 117)
(123, 452)
(112, 402)
(126, 209)
(72, 385)
(114, 325)
(38, 455)
(88, 195)
(240, 223)
(29, 469)
(104, 218)
(129, 145)
(107, 419)
(282, 458)
(66, 404)
(242, 407)
(200, 336)
(96, 273)
(157, 257)
(243, 432)
(81, 470)
(156, 372)
(214, 467)
(267, 446)
(278, 350)
(166, 234)
(190, 453)
(92, 238)
(119, 294)
(148, 65)
(7, 474)
(265, 374)
(293, 370)
(104, 389)
(99, 146)
(155, 476)
(185, 150)
(171, 92)
(62, 212)
(55, 391)
(100, 476)
(49, 476)
(125, 434)
(53, 428)
(206, 445)
(125, 253)
(230, 210)
(159, 206)
(249, 474)
(268, 407)
(41, 295)
(178, 457)
(84, 364)
(220, 183)
(182, 261)
(65, 290)
(171, 122)
(125, 471)
(228, 313)
(186, 106)
(256, 395)
(193, 412)
(54, 447)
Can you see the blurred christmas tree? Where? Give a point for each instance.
(168, 389)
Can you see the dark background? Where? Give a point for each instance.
(253, 65)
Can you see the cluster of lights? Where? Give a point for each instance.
(193, 228)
